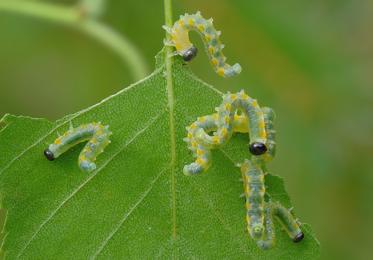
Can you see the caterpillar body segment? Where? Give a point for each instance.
(97, 136)
(202, 163)
(269, 118)
(254, 190)
(211, 38)
(223, 124)
(268, 239)
(288, 222)
(240, 102)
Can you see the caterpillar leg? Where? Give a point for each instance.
(254, 190)
(180, 39)
(97, 136)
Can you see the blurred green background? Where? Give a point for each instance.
(312, 61)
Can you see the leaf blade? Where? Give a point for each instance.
(135, 204)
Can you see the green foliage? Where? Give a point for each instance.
(137, 203)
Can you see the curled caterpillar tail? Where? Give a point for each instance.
(211, 38)
(200, 151)
(97, 136)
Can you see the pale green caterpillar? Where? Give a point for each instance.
(224, 123)
(253, 179)
(97, 136)
(259, 123)
(285, 218)
(211, 38)
(260, 213)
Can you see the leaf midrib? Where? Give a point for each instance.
(170, 102)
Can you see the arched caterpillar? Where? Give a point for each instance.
(224, 123)
(97, 136)
(211, 38)
(260, 126)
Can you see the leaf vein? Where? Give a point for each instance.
(127, 214)
(219, 217)
(75, 116)
(71, 195)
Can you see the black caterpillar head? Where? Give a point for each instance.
(190, 54)
(49, 154)
(257, 148)
(298, 237)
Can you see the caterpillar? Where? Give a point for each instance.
(289, 223)
(285, 218)
(97, 136)
(223, 124)
(260, 214)
(179, 35)
(253, 178)
(267, 240)
(269, 117)
(239, 113)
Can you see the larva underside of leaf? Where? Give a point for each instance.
(211, 39)
(97, 136)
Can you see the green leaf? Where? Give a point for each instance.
(137, 204)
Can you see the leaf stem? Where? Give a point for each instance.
(74, 17)
(170, 93)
